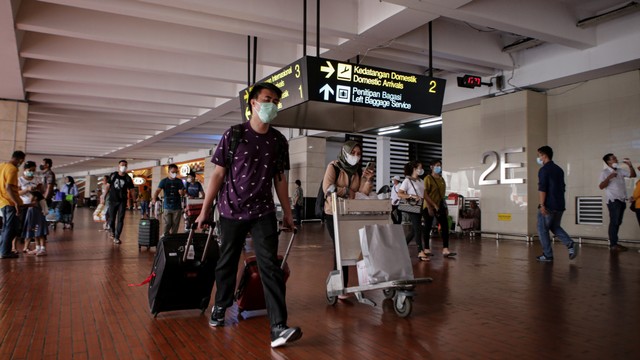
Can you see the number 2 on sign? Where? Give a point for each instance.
(504, 167)
(432, 86)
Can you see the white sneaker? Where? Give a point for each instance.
(41, 253)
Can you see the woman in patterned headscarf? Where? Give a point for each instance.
(348, 178)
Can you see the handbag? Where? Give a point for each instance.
(410, 205)
(632, 207)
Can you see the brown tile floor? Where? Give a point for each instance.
(493, 302)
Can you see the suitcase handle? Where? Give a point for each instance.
(192, 231)
(286, 253)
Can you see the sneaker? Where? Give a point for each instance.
(32, 252)
(41, 253)
(282, 334)
(619, 248)
(117, 241)
(217, 316)
(572, 252)
(10, 256)
(543, 258)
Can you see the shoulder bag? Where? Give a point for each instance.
(410, 205)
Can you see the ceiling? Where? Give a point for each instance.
(148, 80)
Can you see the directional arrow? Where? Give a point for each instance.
(328, 69)
(327, 90)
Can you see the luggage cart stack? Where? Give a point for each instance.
(348, 217)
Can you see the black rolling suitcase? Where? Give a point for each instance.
(148, 233)
(182, 279)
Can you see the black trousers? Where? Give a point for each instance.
(116, 212)
(264, 232)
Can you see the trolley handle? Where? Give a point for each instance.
(192, 232)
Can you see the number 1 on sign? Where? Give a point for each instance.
(301, 94)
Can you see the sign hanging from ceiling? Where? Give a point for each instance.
(331, 81)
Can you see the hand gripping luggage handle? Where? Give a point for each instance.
(286, 253)
(192, 231)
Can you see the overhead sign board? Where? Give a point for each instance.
(331, 81)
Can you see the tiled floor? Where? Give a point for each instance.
(493, 302)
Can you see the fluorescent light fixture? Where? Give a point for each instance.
(389, 128)
(430, 120)
(388, 132)
(522, 44)
(433, 123)
(627, 9)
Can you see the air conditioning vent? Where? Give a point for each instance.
(589, 210)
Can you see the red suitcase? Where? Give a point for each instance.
(250, 294)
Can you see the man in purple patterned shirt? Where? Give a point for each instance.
(245, 201)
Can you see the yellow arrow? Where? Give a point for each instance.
(247, 113)
(328, 69)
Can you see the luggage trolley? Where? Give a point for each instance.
(348, 217)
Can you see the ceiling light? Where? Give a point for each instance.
(433, 123)
(430, 120)
(388, 132)
(526, 43)
(389, 128)
(627, 9)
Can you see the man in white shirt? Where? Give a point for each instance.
(612, 182)
(396, 215)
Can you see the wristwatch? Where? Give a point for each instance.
(540, 206)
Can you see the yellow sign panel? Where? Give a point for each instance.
(504, 217)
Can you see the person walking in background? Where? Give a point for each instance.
(119, 184)
(193, 187)
(145, 199)
(35, 224)
(70, 188)
(396, 215)
(26, 183)
(412, 191)
(436, 207)
(245, 184)
(47, 179)
(10, 203)
(298, 202)
(173, 190)
(551, 205)
(347, 178)
(612, 182)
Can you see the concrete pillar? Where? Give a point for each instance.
(307, 157)
(157, 173)
(484, 144)
(383, 162)
(13, 128)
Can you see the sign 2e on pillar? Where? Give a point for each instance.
(501, 158)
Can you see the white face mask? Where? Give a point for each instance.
(123, 169)
(267, 112)
(173, 175)
(539, 161)
(189, 180)
(420, 172)
(614, 165)
(351, 159)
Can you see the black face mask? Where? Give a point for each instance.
(41, 167)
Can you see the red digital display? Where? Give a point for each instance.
(469, 81)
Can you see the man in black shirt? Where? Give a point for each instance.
(551, 206)
(118, 186)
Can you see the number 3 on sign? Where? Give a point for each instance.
(504, 166)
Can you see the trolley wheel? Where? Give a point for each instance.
(331, 300)
(403, 308)
(389, 293)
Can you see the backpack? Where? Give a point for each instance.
(282, 161)
(320, 198)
